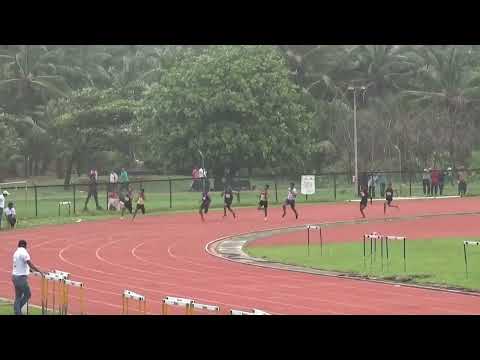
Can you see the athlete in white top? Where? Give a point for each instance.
(20, 272)
(11, 215)
(290, 200)
(3, 195)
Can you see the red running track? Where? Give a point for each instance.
(165, 255)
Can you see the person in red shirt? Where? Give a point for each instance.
(435, 175)
(194, 178)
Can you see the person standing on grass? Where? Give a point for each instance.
(426, 182)
(363, 200)
(264, 200)
(123, 179)
(227, 201)
(441, 181)
(11, 215)
(20, 272)
(3, 195)
(113, 181)
(92, 191)
(382, 180)
(462, 183)
(435, 179)
(140, 203)
(389, 198)
(290, 200)
(205, 205)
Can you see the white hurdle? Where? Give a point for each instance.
(314, 227)
(130, 295)
(253, 312)
(204, 307)
(465, 245)
(176, 301)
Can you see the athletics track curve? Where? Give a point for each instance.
(165, 255)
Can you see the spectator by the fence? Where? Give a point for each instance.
(11, 215)
(193, 187)
(441, 181)
(94, 172)
(113, 181)
(371, 185)
(20, 272)
(92, 191)
(123, 179)
(434, 179)
(382, 181)
(450, 176)
(462, 183)
(3, 195)
(426, 182)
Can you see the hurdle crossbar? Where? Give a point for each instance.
(465, 244)
(240, 312)
(131, 295)
(260, 312)
(174, 301)
(204, 307)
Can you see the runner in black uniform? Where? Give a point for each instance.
(227, 202)
(290, 200)
(206, 200)
(388, 198)
(364, 199)
(264, 201)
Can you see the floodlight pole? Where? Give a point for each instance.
(355, 139)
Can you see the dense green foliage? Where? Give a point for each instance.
(282, 108)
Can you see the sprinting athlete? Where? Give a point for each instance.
(206, 200)
(227, 201)
(264, 201)
(290, 200)
(389, 198)
(364, 199)
(140, 203)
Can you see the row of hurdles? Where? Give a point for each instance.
(190, 306)
(56, 288)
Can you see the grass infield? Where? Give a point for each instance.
(438, 262)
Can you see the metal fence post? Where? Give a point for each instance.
(74, 199)
(170, 188)
(335, 186)
(36, 198)
(276, 192)
(410, 181)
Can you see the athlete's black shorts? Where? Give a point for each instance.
(141, 207)
(205, 205)
(290, 202)
(227, 204)
(263, 203)
(364, 202)
(389, 200)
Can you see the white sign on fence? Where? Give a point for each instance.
(308, 184)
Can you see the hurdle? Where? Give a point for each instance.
(203, 307)
(373, 249)
(55, 279)
(176, 301)
(395, 238)
(314, 227)
(253, 312)
(64, 204)
(127, 295)
(76, 284)
(465, 244)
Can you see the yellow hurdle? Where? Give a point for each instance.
(176, 301)
(128, 294)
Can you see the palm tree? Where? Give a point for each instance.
(446, 82)
(27, 77)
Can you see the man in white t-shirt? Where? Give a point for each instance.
(3, 195)
(113, 181)
(20, 272)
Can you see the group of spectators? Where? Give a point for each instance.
(433, 181)
(118, 187)
(198, 176)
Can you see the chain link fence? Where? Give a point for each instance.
(184, 194)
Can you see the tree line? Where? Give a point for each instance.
(282, 109)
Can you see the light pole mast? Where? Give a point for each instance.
(355, 140)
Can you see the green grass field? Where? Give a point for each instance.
(433, 261)
(6, 308)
